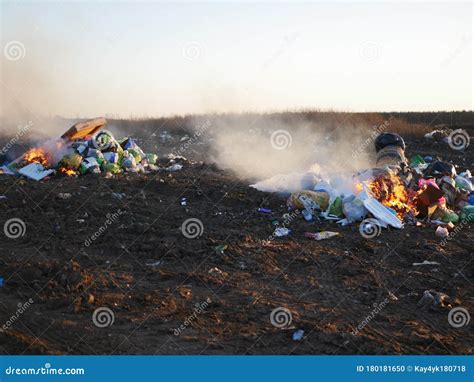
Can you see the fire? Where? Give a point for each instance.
(389, 190)
(37, 155)
(67, 171)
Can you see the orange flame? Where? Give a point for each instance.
(67, 171)
(389, 190)
(37, 155)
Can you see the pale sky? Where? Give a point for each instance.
(153, 58)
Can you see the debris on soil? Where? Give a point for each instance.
(152, 277)
(85, 148)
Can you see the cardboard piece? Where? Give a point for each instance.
(85, 129)
(427, 198)
(35, 171)
(379, 211)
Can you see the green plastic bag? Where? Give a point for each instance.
(336, 207)
(416, 161)
(71, 161)
(467, 214)
(136, 154)
(152, 158)
(112, 167)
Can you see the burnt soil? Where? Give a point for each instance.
(330, 287)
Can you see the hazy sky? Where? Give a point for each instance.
(152, 58)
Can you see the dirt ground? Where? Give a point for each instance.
(169, 294)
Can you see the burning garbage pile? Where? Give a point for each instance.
(394, 193)
(85, 148)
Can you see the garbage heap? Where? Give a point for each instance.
(396, 192)
(85, 148)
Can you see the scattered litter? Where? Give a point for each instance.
(426, 262)
(392, 296)
(323, 235)
(217, 272)
(2, 282)
(380, 211)
(310, 200)
(264, 210)
(220, 249)
(183, 201)
(173, 157)
(431, 298)
(64, 195)
(281, 231)
(118, 195)
(298, 335)
(154, 264)
(3, 196)
(442, 232)
(308, 216)
(35, 171)
(174, 167)
(5, 170)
